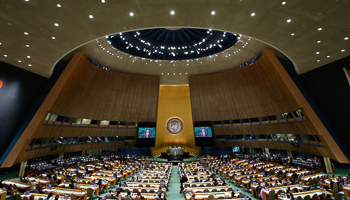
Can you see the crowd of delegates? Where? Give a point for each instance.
(310, 162)
(96, 176)
(197, 181)
(271, 180)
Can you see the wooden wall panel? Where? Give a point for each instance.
(256, 90)
(94, 93)
(86, 91)
(46, 131)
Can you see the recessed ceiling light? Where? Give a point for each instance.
(131, 14)
(289, 20)
(103, 1)
(346, 38)
(27, 45)
(284, 3)
(56, 24)
(186, 73)
(292, 34)
(343, 50)
(252, 14)
(91, 16)
(0, 43)
(19, 61)
(29, 65)
(59, 5)
(26, 33)
(317, 52)
(5, 55)
(28, 56)
(53, 38)
(319, 29)
(318, 60)
(172, 12)
(319, 41)
(328, 56)
(212, 12)
(26, 0)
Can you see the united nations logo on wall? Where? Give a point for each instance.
(174, 125)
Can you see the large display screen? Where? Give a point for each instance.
(146, 132)
(203, 131)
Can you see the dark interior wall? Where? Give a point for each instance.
(216, 150)
(18, 94)
(328, 92)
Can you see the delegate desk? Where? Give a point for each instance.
(211, 188)
(143, 189)
(43, 181)
(303, 194)
(43, 196)
(94, 188)
(63, 191)
(283, 188)
(20, 185)
(227, 195)
(304, 179)
(3, 194)
(289, 175)
(198, 184)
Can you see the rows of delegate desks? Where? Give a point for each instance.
(205, 188)
(84, 177)
(148, 181)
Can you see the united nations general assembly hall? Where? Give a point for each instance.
(174, 100)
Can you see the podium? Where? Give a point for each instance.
(175, 154)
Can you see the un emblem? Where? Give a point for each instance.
(174, 125)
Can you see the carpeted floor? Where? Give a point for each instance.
(174, 186)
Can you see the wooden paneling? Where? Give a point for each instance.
(256, 90)
(86, 91)
(94, 93)
(261, 89)
(46, 131)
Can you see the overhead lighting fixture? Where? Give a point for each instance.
(103, 1)
(317, 52)
(19, 61)
(318, 60)
(27, 45)
(252, 14)
(212, 12)
(319, 41)
(292, 34)
(284, 3)
(172, 12)
(91, 16)
(5, 55)
(289, 20)
(56, 24)
(319, 29)
(59, 5)
(346, 38)
(343, 50)
(28, 56)
(29, 65)
(26, 33)
(131, 14)
(328, 56)
(53, 38)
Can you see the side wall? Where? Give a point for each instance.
(86, 91)
(258, 90)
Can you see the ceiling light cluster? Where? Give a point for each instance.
(180, 44)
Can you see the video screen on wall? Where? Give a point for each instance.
(203, 131)
(146, 132)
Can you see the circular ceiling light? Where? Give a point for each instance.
(167, 44)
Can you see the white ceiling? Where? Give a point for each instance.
(76, 31)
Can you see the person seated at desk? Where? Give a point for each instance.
(110, 195)
(33, 185)
(71, 185)
(139, 196)
(162, 184)
(193, 196)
